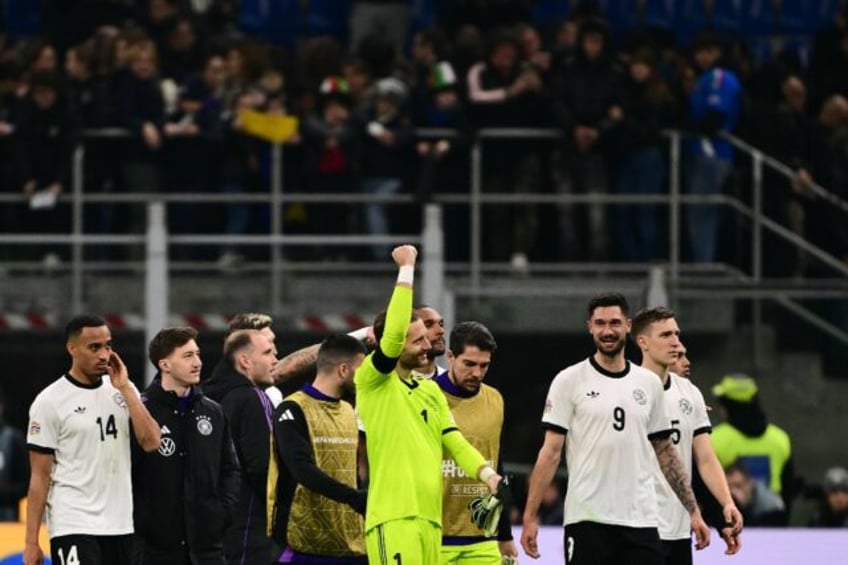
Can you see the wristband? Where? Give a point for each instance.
(406, 274)
(486, 473)
(359, 335)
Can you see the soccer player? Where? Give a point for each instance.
(317, 510)
(185, 492)
(657, 334)
(613, 416)
(250, 361)
(434, 323)
(682, 366)
(479, 413)
(79, 442)
(409, 426)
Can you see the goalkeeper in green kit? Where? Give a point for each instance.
(409, 426)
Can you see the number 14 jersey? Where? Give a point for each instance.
(87, 429)
(609, 419)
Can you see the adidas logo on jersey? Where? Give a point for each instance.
(593, 394)
(164, 430)
(79, 410)
(287, 415)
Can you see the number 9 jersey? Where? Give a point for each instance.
(609, 419)
(87, 429)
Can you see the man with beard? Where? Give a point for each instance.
(409, 428)
(316, 510)
(479, 413)
(434, 323)
(185, 492)
(614, 416)
(656, 333)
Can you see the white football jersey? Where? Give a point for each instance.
(687, 413)
(609, 418)
(88, 431)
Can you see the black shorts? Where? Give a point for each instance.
(677, 552)
(590, 543)
(80, 549)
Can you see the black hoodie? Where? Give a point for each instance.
(250, 412)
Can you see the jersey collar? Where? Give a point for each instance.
(444, 382)
(610, 374)
(317, 394)
(79, 384)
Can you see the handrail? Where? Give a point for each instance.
(788, 172)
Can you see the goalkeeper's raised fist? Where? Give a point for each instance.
(486, 510)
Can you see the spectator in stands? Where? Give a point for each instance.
(193, 133)
(759, 505)
(331, 144)
(428, 48)
(141, 109)
(715, 104)
(360, 84)
(825, 225)
(182, 54)
(47, 134)
(239, 170)
(443, 161)
(828, 71)
(502, 93)
(587, 91)
(564, 49)
(646, 108)
(159, 20)
(44, 59)
(88, 91)
(386, 138)
(745, 436)
(787, 133)
(92, 95)
(834, 505)
(533, 53)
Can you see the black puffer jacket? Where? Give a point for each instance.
(185, 492)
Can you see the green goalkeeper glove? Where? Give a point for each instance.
(486, 510)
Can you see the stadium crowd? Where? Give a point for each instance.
(364, 76)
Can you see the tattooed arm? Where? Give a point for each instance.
(676, 476)
(296, 363)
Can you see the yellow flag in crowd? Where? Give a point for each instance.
(276, 128)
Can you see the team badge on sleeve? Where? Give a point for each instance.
(204, 426)
(119, 400)
(548, 406)
(34, 428)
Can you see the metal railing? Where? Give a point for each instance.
(276, 239)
